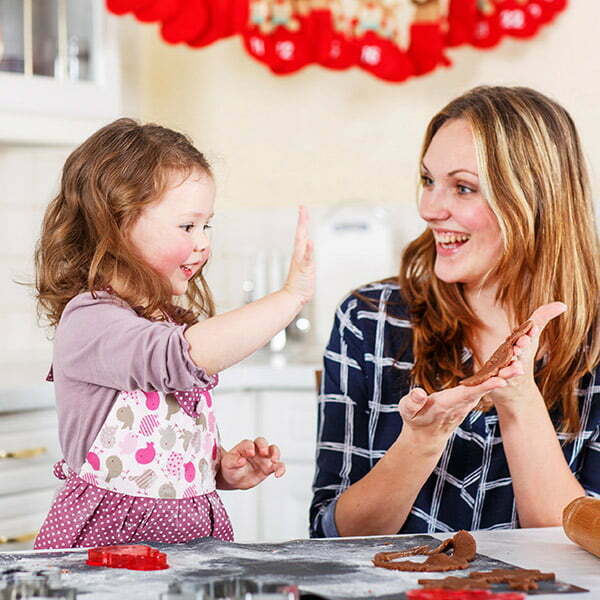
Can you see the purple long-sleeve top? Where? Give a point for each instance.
(101, 347)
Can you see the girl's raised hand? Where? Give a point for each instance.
(300, 281)
(248, 463)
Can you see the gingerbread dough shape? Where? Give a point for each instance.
(462, 543)
(501, 358)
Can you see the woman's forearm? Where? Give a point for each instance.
(380, 502)
(543, 484)
(224, 340)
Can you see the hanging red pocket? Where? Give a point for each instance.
(292, 37)
(426, 50)
(332, 46)
(515, 20)
(255, 32)
(549, 8)
(461, 18)
(221, 23)
(158, 10)
(486, 31)
(192, 20)
(121, 7)
(383, 58)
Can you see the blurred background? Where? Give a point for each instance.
(343, 143)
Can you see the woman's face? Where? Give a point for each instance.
(467, 236)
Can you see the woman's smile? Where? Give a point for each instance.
(449, 243)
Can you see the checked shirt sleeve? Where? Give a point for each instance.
(588, 473)
(342, 411)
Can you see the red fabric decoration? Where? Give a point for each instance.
(383, 58)
(331, 48)
(291, 50)
(426, 49)
(515, 20)
(287, 35)
(486, 31)
(461, 20)
(221, 18)
(157, 10)
(121, 7)
(188, 23)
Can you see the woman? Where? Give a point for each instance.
(510, 235)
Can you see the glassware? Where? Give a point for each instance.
(80, 40)
(44, 22)
(12, 42)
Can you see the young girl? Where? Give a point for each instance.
(133, 372)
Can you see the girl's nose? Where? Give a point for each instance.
(201, 240)
(434, 205)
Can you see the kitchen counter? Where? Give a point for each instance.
(331, 568)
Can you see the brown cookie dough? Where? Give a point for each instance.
(501, 358)
(462, 544)
(517, 579)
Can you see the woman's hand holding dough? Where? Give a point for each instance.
(436, 416)
(523, 387)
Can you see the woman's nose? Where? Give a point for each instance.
(434, 204)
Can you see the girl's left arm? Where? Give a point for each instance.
(542, 481)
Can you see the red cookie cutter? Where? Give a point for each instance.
(136, 558)
(441, 594)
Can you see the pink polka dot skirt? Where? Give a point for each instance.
(83, 515)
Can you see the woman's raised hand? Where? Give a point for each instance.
(437, 415)
(526, 350)
(300, 281)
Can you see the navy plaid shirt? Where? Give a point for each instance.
(367, 367)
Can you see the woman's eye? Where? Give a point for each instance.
(206, 227)
(187, 228)
(426, 180)
(464, 189)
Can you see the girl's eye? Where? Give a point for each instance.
(426, 180)
(206, 227)
(187, 228)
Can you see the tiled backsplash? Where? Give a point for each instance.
(29, 177)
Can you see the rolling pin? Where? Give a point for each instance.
(581, 522)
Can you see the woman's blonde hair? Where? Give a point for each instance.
(106, 183)
(533, 174)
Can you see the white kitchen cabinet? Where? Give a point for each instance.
(28, 449)
(277, 509)
(59, 71)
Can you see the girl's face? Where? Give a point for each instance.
(171, 233)
(467, 235)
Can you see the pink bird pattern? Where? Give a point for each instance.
(146, 455)
(175, 446)
(128, 443)
(152, 400)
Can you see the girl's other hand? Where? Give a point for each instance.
(300, 281)
(248, 463)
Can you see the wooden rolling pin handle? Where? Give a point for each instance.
(581, 522)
